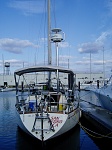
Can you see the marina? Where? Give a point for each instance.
(12, 137)
(48, 106)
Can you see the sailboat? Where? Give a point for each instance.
(48, 108)
(104, 94)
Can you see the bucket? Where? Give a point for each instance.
(31, 106)
(44, 87)
(60, 107)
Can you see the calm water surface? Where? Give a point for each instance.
(12, 138)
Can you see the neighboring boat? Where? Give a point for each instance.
(103, 94)
(45, 112)
(7, 89)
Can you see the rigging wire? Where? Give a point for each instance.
(54, 12)
(42, 22)
(38, 32)
(53, 25)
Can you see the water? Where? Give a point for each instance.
(13, 138)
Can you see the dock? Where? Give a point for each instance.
(99, 117)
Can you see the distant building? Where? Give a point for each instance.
(86, 79)
(83, 78)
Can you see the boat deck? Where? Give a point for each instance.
(97, 114)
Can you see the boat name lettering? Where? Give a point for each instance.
(56, 121)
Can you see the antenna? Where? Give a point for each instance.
(56, 37)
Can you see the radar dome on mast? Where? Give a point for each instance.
(57, 35)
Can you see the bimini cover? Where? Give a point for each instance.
(41, 69)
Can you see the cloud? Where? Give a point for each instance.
(109, 6)
(28, 7)
(43, 39)
(103, 37)
(90, 47)
(15, 45)
(13, 62)
(95, 46)
(64, 44)
(99, 62)
(82, 62)
(65, 57)
(94, 62)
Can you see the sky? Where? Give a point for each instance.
(86, 30)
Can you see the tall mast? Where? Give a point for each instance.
(49, 35)
(103, 65)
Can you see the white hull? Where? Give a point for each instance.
(90, 97)
(104, 96)
(7, 89)
(105, 99)
(61, 123)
